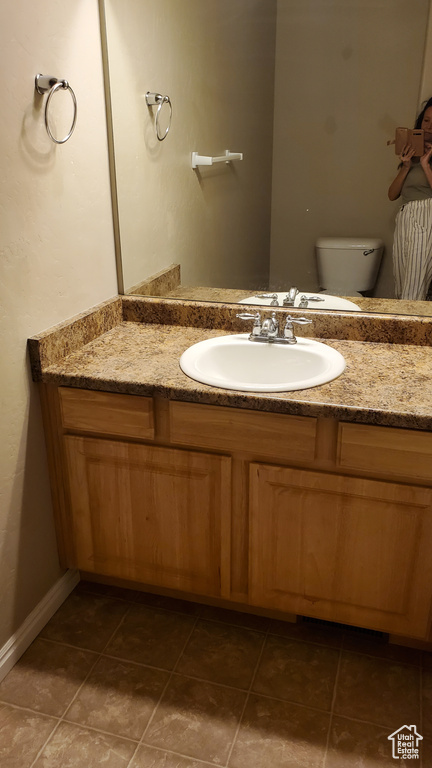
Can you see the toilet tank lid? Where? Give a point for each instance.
(362, 243)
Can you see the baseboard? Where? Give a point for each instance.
(36, 620)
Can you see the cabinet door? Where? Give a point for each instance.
(154, 515)
(339, 548)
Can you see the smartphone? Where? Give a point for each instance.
(413, 136)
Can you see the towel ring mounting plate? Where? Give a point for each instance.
(156, 99)
(46, 83)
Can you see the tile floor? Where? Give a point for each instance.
(122, 679)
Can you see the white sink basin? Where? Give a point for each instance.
(328, 301)
(234, 362)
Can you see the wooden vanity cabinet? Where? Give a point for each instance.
(130, 509)
(280, 513)
(149, 514)
(341, 548)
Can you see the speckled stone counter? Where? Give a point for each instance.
(133, 345)
(366, 304)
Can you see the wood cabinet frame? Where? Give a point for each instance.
(331, 452)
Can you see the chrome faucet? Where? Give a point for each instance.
(270, 327)
(289, 299)
(268, 330)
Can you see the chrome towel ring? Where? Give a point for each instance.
(44, 83)
(153, 99)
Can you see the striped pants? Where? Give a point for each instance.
(412, 250)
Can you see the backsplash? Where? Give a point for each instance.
(51, 346)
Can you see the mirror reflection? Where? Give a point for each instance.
(306, 94)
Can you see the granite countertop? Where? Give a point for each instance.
(387, 384)
(366, 304)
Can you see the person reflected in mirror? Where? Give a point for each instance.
(412, 243)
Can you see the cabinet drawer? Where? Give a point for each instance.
(232, 429)
(107, 413)
(398, 452)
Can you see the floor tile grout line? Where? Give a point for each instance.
(170, 676)
(197, 615)
(385, 726)
(116, 735)
(250, 629)
(125, 660)
(135, 601)
(31, 711)
(68, 645)
(268, 631)
(62, 718)
(237, 624)
(176, 754)
(172, 673)
(114, 632)
(106, 596)
(335, 687)
(282, 636)
(382, 658)
(421, 710)
(248, 690)
(234, 625)
(130, 605)
(332, 706)
(215, 682)
(100, 730)
(247, 698)
(178, 612)
(47, 740)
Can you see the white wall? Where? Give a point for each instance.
(56, 259)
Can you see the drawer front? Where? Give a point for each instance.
(107, 413)
(399, 452)
(232, 429)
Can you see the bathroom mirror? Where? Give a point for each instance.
(308, 91)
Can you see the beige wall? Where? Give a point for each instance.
(202, 53)
(56, 244)
(56, 259)
(426, 81)
(348, 72)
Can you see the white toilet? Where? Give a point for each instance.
(348, 265)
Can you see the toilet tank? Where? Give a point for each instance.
(348, 264)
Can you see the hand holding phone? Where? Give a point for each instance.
(409, 137)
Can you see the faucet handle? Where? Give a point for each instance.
(273, 296)
(289, 327)
(299, 320)
(255, 316)
(249, 316)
